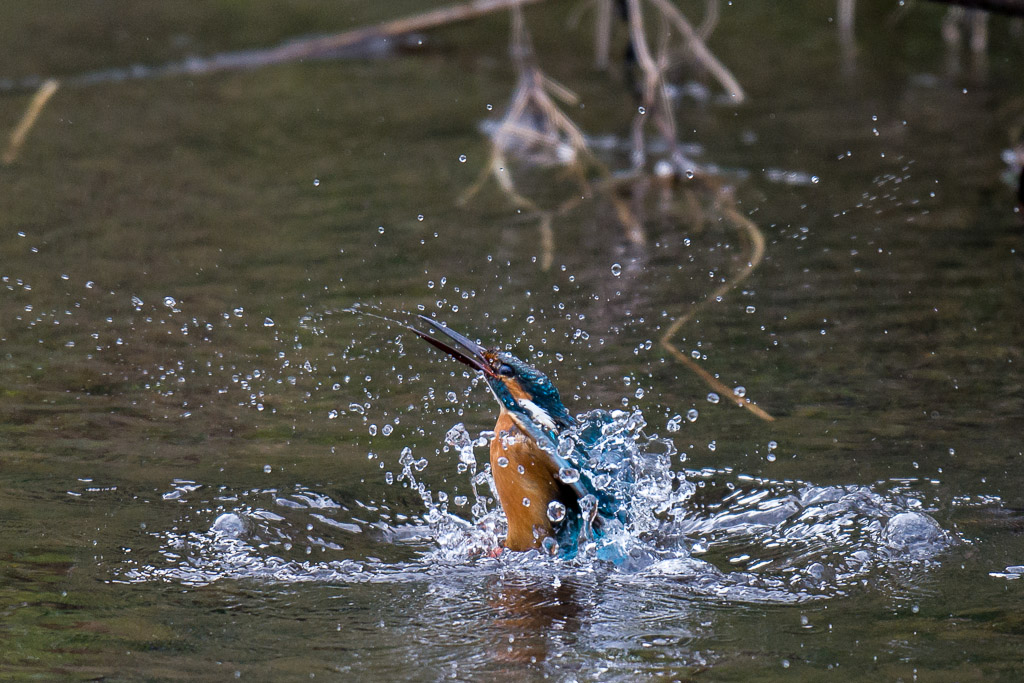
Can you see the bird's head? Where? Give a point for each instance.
(525, 392)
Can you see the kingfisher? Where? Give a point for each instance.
(545, 488)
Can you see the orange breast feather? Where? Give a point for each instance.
(526, 482)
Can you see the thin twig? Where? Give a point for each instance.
(35, 107)
(700, 51)
(293, 50)
(756, 256)
(710, 20)
(651, 76)
(312, 47)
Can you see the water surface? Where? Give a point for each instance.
(202, 455)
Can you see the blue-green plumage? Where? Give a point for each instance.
(533, 404)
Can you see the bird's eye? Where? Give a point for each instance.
(506, 370)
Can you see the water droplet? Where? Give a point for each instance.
(663, 169)
(674, 423)
(642, 110)
(170, 302)
(692, 414)
(267, 469)
(502, 461)
(452, 397)
(616, 269)
(333, 414)
(639, 393)
(785, 663)
(380, 229)
(420, 217)
(526, 502)
(490, 107)
(713, 397)
(386, 430)
(750, 309)
(316, 182)
(740, 391)
(268, 322)
(556, 511)
(462, 158)
(460, 500)
(568, 475)
(373, 430)
(770, 457)
(772, 445)
(712, 446)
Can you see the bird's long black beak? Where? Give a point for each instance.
(463, 349)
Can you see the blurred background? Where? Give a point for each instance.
(179, 245)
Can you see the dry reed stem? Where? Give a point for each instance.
(657, 105)
(529, 93)
(304, 48)
(700, 51)
(651, 73)
(292, 51)
(846, 12)
(533, 116)
(603, 34)
(756, 256)
(419, 22)
(710, 20)
(35, 107)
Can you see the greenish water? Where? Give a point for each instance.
(175, 256)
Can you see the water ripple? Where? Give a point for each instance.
(762, 541)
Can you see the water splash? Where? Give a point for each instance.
(760, 541)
